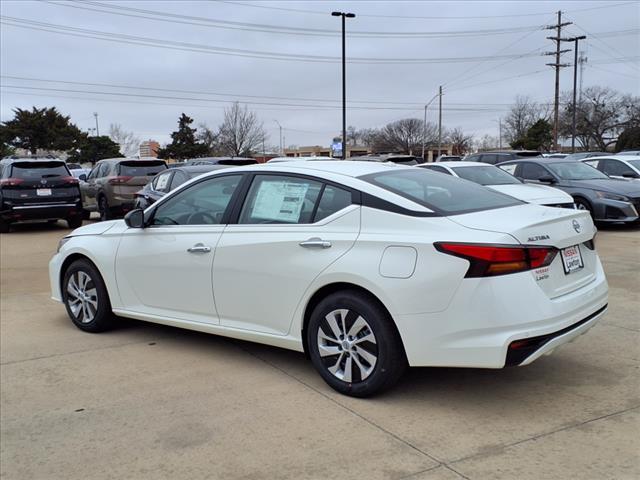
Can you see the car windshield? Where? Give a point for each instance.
(575, 171)
(488, 175)
(38, 170)
(634, 163)
(443, 194)
(141, 169)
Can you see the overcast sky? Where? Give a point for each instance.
(283, 59)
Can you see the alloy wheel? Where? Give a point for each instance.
(82, 296)
(347, 345)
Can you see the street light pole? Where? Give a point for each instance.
(344, 16)
(95, 114)
(575, 81)
(424, 125)
(280, 126)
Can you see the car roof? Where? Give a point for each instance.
(461, 163)
(614, 157)
(194, 169)
(540, 160)
(125, 159)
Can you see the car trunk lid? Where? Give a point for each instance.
(563, 229)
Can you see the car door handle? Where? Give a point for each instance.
(315, 243)
(199, 248)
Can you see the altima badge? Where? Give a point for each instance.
(576, 226)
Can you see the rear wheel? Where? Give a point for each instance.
(74, 222)
(354, 345)
(85, 297)
(5, 227)
(103, 208)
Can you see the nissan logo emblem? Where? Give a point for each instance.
(576, 226)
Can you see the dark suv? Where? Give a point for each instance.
(111, 187)
(498, 157)
(38, 189)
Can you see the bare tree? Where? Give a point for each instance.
(460, 142)
(601, 116)
(523, 114)
(353, 136)
(487, 142)
(209, 138)
(241, 133)
(127, 141)
(404, 136)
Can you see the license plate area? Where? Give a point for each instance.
(571, 259)
(43, 192)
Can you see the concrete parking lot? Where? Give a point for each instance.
(147, 401)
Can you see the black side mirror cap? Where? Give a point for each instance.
(630, 175)
(547, 179)
(83, 177)
(135, 218)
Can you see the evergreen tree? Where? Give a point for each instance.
(92, 149)
(183, 142)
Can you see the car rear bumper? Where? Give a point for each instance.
(17, 213)
(483, 321)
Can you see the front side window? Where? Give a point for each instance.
(615, 168)
(533, 171)
(280, 199)
(201, 204)
(443, 194)
(178, 179)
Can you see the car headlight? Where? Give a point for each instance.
(62, 241)
(612, 196)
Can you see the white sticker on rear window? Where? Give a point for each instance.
(279, 201)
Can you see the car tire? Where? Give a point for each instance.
(5, 227)
(354, 344)
(584, 205)
(103, 209)
(74, 222)
(86, 215)
(85, 297)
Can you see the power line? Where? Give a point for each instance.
(173, 45)
(430, 17)
(164, 97)
(276, 29)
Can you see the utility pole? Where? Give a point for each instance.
(344, 16)
(95, 114)
(582, 60)
(557, 65)
(500, 132)
(439, 120)
(575, 84)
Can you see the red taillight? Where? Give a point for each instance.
(11, 182)
(71, 180)
(119, 180)
(492, 260)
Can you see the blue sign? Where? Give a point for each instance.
(336, 149)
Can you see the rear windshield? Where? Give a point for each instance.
(488, 175)
(38, 170)
(528, 154)
(141, 169)
(443, 194)
(403, 160)
(248, 161)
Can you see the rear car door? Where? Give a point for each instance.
(289, 229)
(165, 269)
(89, 188)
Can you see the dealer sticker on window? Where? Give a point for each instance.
(571, 259)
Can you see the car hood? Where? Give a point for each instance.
(611, 185)
(539, 194)
(95, 228)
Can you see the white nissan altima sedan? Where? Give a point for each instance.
(367, 267)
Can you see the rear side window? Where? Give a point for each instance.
(445, 195)
(38, 170)
(140, 169)
(333, 200)
(280, 199)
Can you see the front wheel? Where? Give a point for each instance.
(584, 205)
(5, 227)
(74, 222)
(354, 345)
(85, 297)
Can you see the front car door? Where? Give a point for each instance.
(166, 268)
(617, 169)
(89, 189)
(289, 229)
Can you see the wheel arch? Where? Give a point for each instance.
(68, 261)
(328, 289)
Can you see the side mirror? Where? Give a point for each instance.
(83, 177)
(547, 179)
(135, 218)
(630, 175)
